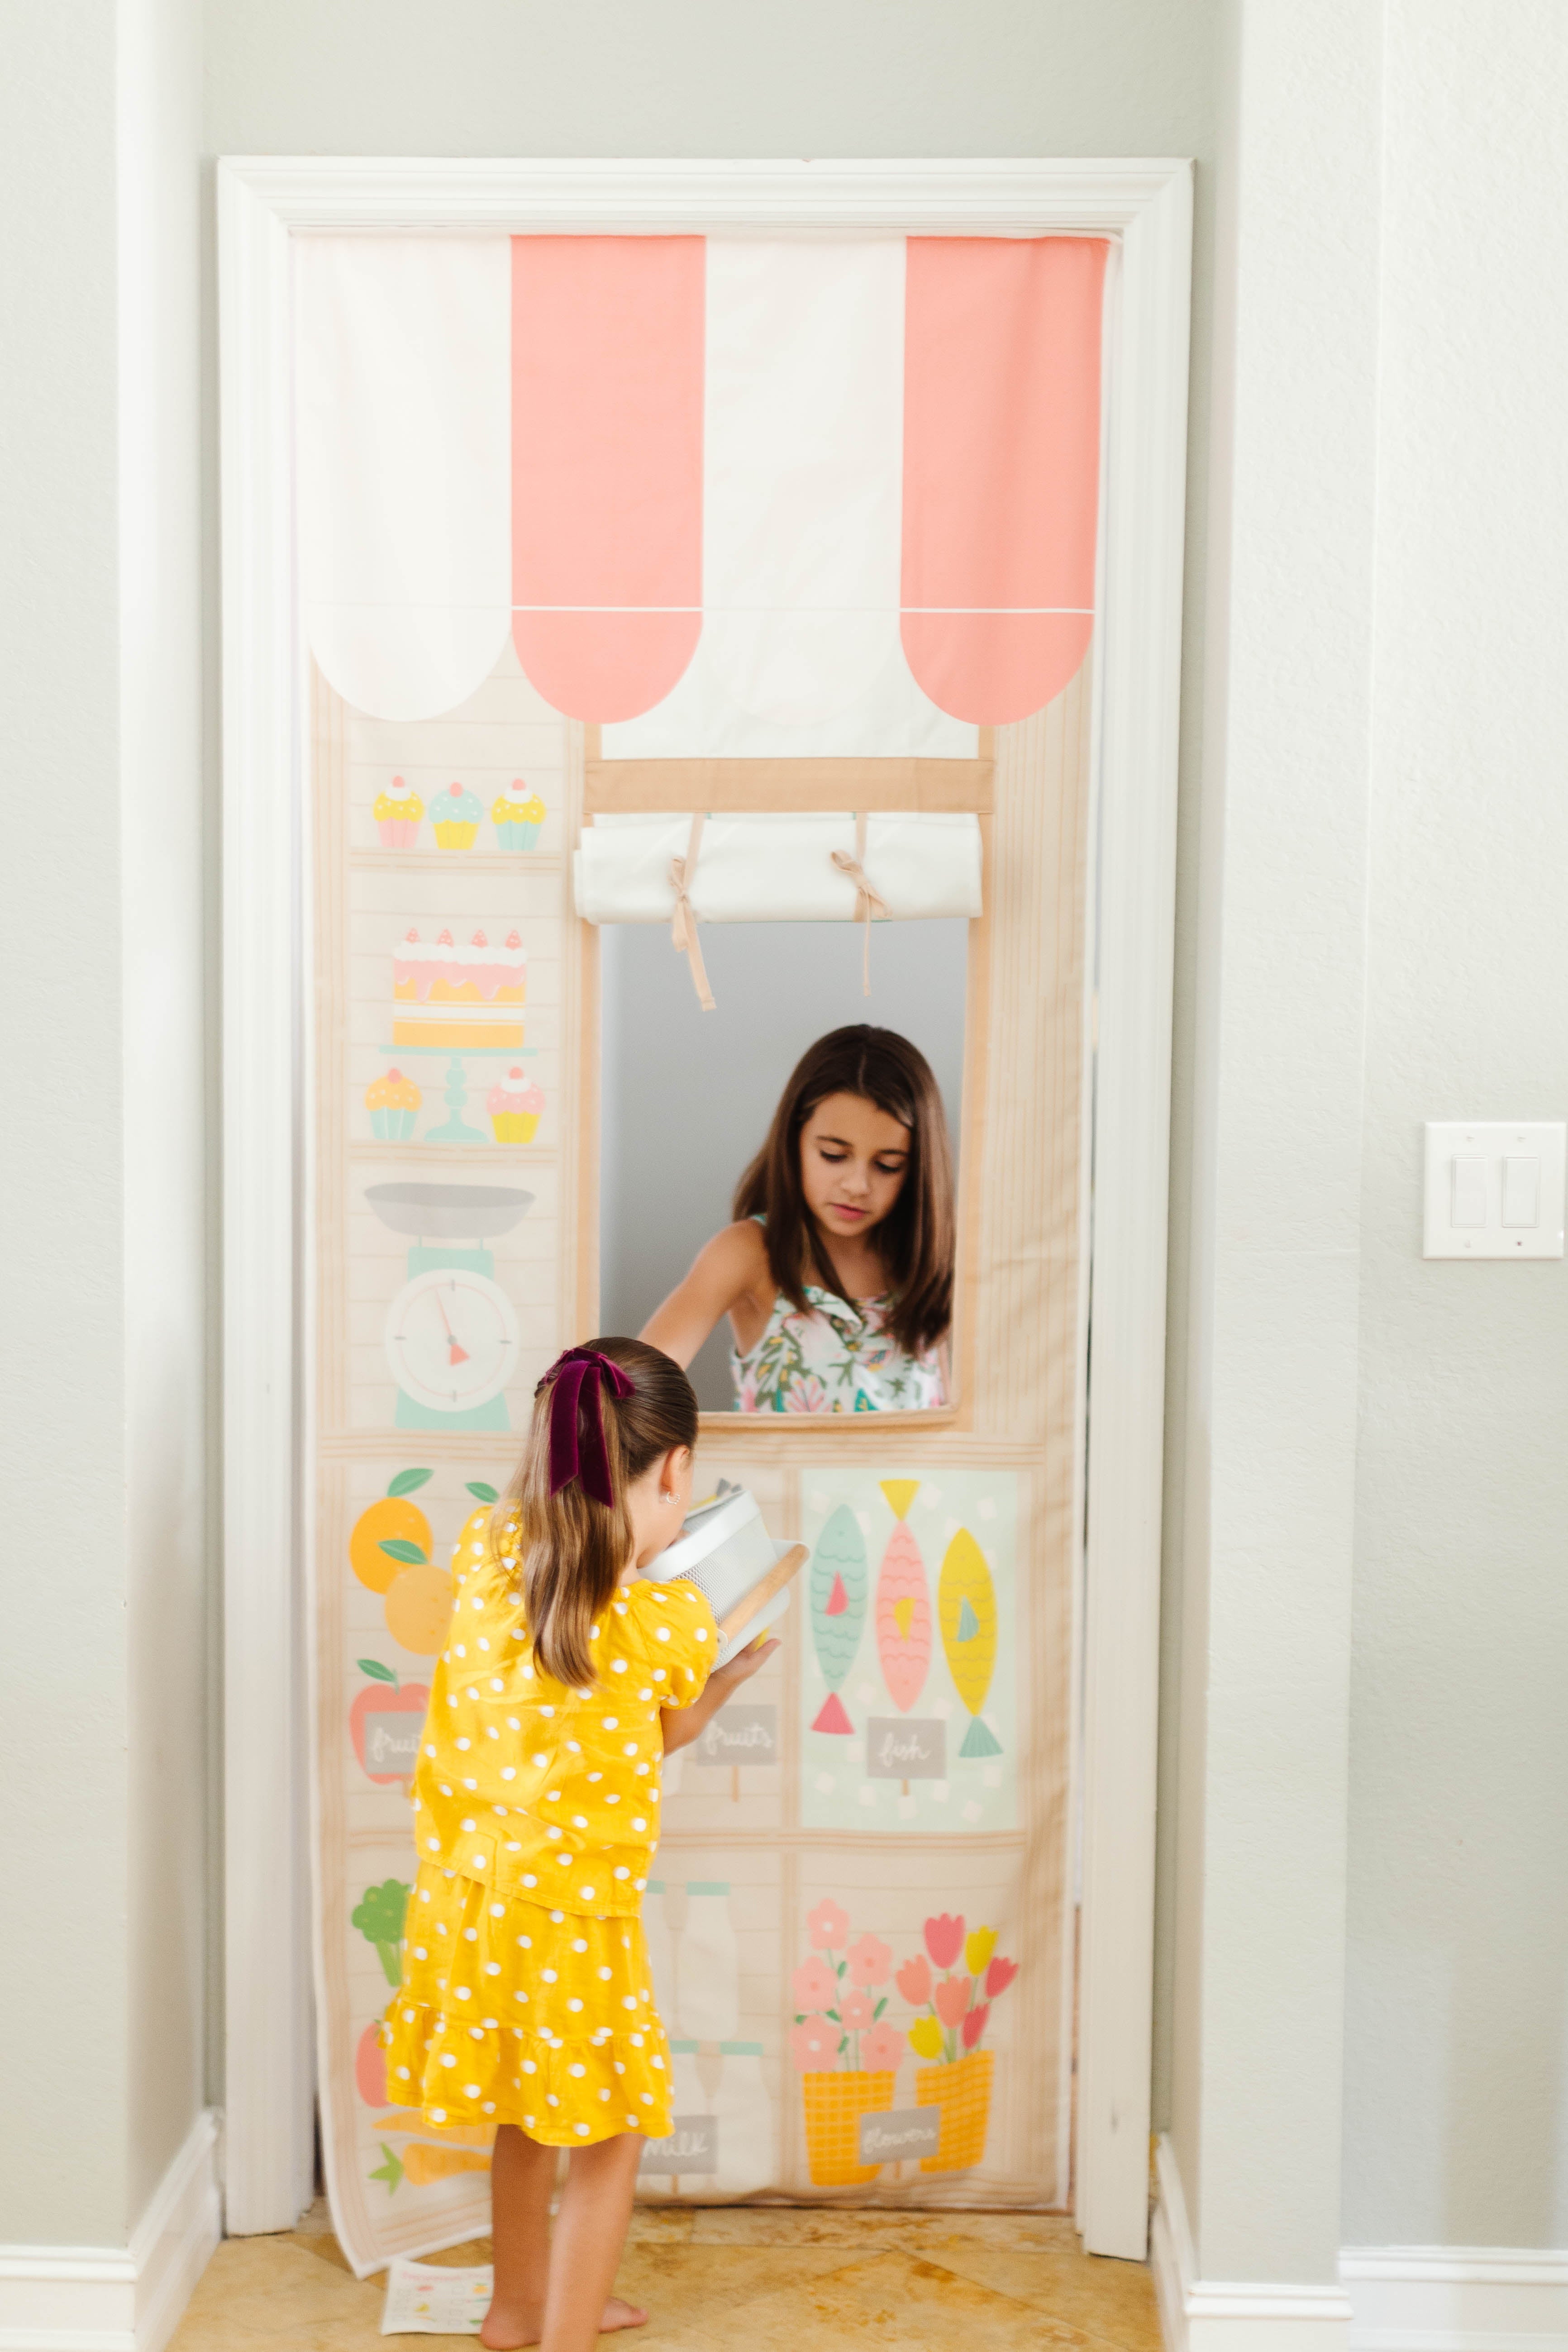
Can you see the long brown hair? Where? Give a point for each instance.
(575, 1550)
(916, 1239)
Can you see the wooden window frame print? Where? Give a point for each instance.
(621, 787)
(1128, 883)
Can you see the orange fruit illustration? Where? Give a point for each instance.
(394, 1519)
(418, 1605)
(471, 1545)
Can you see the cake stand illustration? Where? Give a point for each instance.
(451, 1332)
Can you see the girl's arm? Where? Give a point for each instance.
(683, 1724)
(727, 1271)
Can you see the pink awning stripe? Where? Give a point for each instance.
(607, 389)
(1001, 467)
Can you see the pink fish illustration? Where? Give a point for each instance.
(903, 1616)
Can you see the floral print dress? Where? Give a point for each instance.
(839, 1357)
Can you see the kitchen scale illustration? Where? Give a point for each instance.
(451, 1334)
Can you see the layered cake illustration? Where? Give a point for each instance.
(453, 995)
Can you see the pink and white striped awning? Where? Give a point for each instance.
(730, 496)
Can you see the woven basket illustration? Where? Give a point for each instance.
(963, 2092)
(834, 2104)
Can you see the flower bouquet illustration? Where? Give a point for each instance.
(954, 1983)
(844, 2049)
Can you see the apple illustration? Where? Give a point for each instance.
(370, 2066)
(377, 1698)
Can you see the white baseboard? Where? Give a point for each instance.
(1389, 2299)
(119, 2299)
(1457, 2299)
(1202, 2316)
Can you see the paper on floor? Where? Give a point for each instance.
(434, 2299)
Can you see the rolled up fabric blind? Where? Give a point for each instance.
(778, 869)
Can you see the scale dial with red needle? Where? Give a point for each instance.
(451, 1339)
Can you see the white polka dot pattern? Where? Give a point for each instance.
(572, 1783)
(582, 1982)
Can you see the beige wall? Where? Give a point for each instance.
(62, 1662)
(1369, 1756)
(1457, 1954)
(103, 1575)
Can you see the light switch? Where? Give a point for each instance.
(1494, 1188)
(1521, 1191)
(1470, 1189)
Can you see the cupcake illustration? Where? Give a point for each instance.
(397, 815)
(392, 1100)
(517, 814)
(455, 815)
(515, 1105)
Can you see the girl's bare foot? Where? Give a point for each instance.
(508, 2331)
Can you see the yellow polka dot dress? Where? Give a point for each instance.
(526, 1995)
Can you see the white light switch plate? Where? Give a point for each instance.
(1494, 1188)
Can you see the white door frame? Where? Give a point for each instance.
(1147, 206)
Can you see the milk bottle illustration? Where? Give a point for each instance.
(708, 1964)
(661, 1951)
(684, 2087)
(744, 2114)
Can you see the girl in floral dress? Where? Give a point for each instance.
(836, 1275)
(527, 2002)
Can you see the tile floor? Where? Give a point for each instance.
(770, 2279)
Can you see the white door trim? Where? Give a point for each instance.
(1147, 206)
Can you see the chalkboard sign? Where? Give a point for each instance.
(392, 1743)
(744, 1733)
(906, 1748)
(896, 2134)
(692, 2147)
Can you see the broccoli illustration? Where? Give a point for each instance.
(379, 1918)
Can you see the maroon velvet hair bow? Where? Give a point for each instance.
(575, 1382)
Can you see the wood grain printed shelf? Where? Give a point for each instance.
(438, 861)
(491, 1155)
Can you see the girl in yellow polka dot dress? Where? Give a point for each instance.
(526, 1998)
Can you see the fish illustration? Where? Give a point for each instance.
(966, 1611)
(838, 1582)
(903, 1604)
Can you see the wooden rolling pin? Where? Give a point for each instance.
(777, 1576)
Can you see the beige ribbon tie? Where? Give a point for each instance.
(868, 900)
(683, 929)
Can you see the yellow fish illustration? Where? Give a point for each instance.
(966, 1611)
